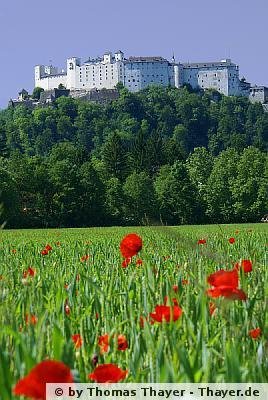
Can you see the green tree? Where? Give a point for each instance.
(250, 188)
(175, 147)
(65, 129)
(37, 92)
(9, 197)
(91, 200)
(137, 154)
(219, 195)
(63, 165)
(114, 201)
(140, 198)
(176, 195)
(199, 165)
(114, 156)
(67, 107)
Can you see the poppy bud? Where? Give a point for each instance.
(95, 360)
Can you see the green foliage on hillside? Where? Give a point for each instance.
(163, 154)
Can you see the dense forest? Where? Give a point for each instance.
(164, 155)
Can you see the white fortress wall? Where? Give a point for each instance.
(51, 82)
(136, 73)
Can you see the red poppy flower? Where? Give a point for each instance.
(34, 384)
(227, 292)
(139, 261)
(44, 252)
(77, 339)
(255, 333)
(224, 278)
(122, 342)
(225, 284)
(175, 288)
(166, 313)
(231, 240)
(48, 247)
(95, 360)
(107, 373)
(84, 258)
(103, 342)
(185, 282)
(202, 241)
(32, 319)
(126, 262)
(30, 272)
(246, 265)
(130, 245)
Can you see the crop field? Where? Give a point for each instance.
(69, 295)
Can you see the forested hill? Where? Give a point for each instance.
(166, 155)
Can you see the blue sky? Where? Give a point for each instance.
(34, 32)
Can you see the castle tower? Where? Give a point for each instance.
(39, 72)
(107, 58)
(119, 55)
(176, 76)
(73, 68)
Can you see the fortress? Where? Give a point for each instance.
(136, 73)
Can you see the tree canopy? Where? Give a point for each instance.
(164, 154)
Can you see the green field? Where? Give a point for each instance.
(104, 298)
